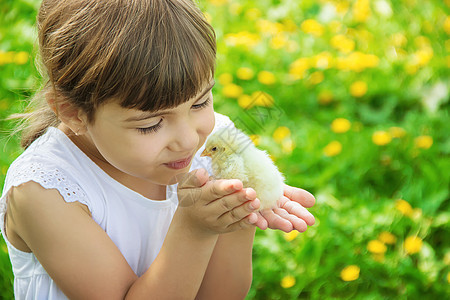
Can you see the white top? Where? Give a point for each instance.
(136, 224)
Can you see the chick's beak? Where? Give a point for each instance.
(205, 153)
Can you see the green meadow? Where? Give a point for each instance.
(351, 99)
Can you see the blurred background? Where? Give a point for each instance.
(351, 99)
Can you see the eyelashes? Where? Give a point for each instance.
(158, 126)
(150, 129)
(203, 104)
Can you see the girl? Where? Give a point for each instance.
(91, 209)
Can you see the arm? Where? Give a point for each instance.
(229, 272)
(85, 263)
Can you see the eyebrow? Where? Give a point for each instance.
(148, 115)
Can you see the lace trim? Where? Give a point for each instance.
(48, 178)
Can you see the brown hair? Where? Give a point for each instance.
(147, 54)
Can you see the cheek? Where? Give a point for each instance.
(206, 122)
(126, 150)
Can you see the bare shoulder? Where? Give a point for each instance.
(74, 250)
(28, 200)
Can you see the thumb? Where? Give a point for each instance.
(194, 179)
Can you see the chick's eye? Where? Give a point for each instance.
(214, 148)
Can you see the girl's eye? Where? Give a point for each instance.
(150, 129)
(203, 104)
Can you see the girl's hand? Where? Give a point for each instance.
(290, 213)
(215, 206)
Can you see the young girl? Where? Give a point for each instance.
(91, 209)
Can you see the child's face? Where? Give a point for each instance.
(143, 144)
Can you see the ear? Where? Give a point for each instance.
(72, 116)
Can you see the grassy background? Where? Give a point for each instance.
(351, 98)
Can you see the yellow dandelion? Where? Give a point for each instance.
(342, 7)
(245, 101)
(6, 57)
(340, 125)
(243, 38)
(361, 10)
(269, 27)
(358, 89)
(289, 25)
(325, 97)
(316, 78)
(376, 247)
(289, 236)
(342, 43)
(332, 149)
(381, 138)
(287, 146)
(422, 57)
(398, 39)
(387, 238)
(423, 141)
(447, 25)
(281, 133)
(225, 78)
(323, 60)
(397, 132)
(266, 77)
(21, 57)
(299, 67)
(448, 277)
(312, 27)
(350, 273)
(218, 2)
(245, 73)
(260, 98)
(413, 244)
(255, 139)
(232, 90)
(252, 14)
(280, 40)
(287, 282)
(404, 207)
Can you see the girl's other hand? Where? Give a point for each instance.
(215, 206)
(290, 213)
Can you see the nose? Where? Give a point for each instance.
(186, 137)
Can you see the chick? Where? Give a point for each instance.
(234, 156)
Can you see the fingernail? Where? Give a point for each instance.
(251, 206)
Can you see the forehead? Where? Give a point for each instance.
(114, 109)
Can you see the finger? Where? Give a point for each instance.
(301, 196)
(247, 222)
(296, 209)
(222, 187)
(275, 221)
(297, 223)
(239, 212)
(261, 221)
(229, 202)
(193, 179)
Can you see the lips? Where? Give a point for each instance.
(179, 164)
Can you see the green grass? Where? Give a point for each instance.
(357, 189)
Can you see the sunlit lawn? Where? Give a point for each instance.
(351, 98)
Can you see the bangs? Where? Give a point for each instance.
(161, 61)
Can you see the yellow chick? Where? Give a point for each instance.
(234, 156)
